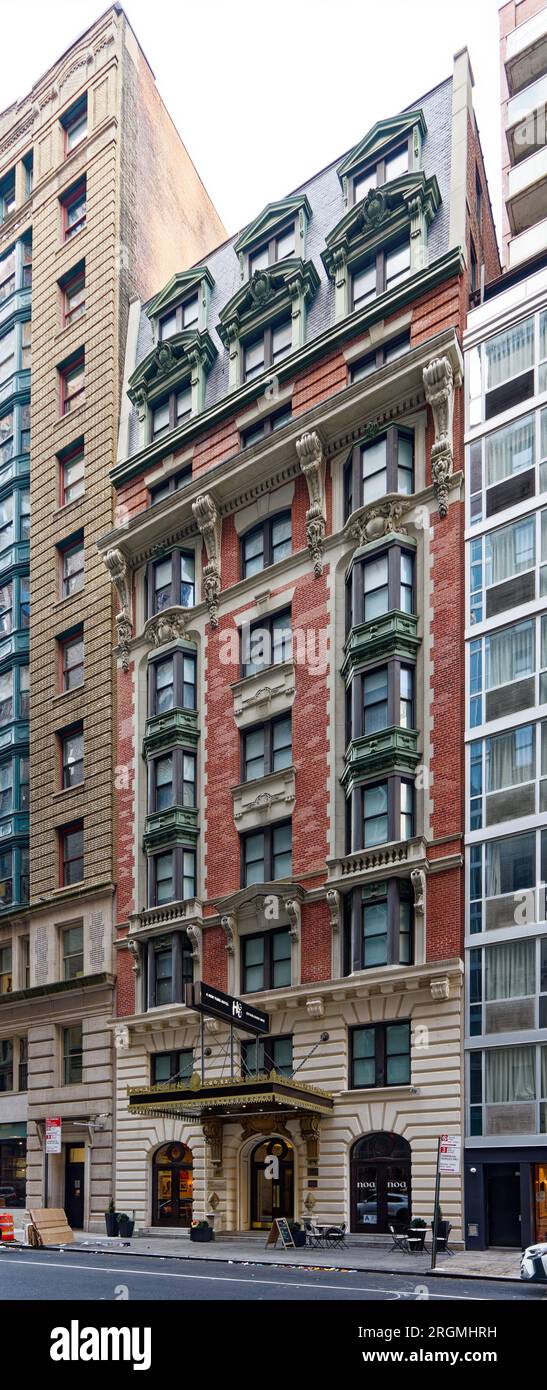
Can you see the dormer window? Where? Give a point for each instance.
(171, 411)
(183, 317)
(264, 351)
(392, 166)
(380, 273)
(274, 249)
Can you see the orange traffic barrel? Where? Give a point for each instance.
(7, 1233)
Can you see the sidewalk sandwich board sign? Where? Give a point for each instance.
(280, 1227)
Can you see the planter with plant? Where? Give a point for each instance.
(126, 1226)
(201, 1232)
(443, 1228)
(416, 1233)
(111, 1219)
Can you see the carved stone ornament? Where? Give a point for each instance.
(193, 932)
(440, 988)
(439, 386)
(209, 522)
(313, 465)
(116, 565)
(376, 206)
(121, 1037)
(167, 626)
(135, 951)
(379, 521)
(260, 288)
(315, 1007)
(212, 1130)
(310, 1129)
(334, 904)
(417, 879)
(309, 1201)
(264, 1124)
(292, 908)
(229, 926)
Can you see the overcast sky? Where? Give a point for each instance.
(265, 95)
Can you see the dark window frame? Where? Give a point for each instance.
(394, 667)
(178, 781)
(379, 357)
(169, 485)
(174, 1064)
(170, 399)
(396, 893)
(380, 165)
(178, 851)
(271, 244)
(265, 624)
(268, 965)
(353, 467)
(177, 656)
(75, 196)
(69, 956)
(264, 527)
(380, 1054)
(64, 833)
(355, 584)
(268, 859)
(178, 311)
(379, 259)
(267, 424)
(73, 1057)
(269, 1061)
(394, 781)
(175, 556)
(266, 335)
(268, 726)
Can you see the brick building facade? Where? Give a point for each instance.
(287, 553)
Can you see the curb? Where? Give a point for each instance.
(273, 1264)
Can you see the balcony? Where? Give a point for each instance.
(528, 100)
(528, 244)
(526, 52)
(526, 196)
(365, 864)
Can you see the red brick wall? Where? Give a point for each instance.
(316, 943)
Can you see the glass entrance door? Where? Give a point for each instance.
(540, 1202)
(380, 1183)
(172, 1186)
(272, 1183)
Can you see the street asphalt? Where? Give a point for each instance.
(72, 1276)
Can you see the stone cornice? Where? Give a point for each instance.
(417, 285)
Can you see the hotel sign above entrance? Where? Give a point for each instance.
(234, 1012)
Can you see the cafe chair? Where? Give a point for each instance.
(335, 1235)
(399, 1242)
(314, 1234)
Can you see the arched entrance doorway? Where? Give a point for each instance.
(380, 1183)
(172, 1186)
(272, 1182)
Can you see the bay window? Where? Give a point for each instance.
(172, 683)
(381, 584)
(171, 876)
(384, 698)
(171, 582)
(381, 812)
(169, 969)
(382, 465)
(172, 780)
(378, 925)
(7, 355)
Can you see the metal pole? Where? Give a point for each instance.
(46, 1172)
(436, 1211)
(202, 1037)
(231, 1051)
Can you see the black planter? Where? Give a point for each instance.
(201, 1235)
(111, 1220)
(299, 1238)
(443, 1228)
(126, 1227)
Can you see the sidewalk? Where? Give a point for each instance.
(357, 1254)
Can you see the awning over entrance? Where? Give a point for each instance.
(234, 1096)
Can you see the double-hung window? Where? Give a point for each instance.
(391, 166)
(73, 953)
(71, 840)
(383, 465)
(281, 244)
(74, 123)
(72, 757)
(266, 544)
(74, 210)
(266, 350)
(72, 382)
(73, 1055)
(173, 780)
(73, 295)
(71, 473)
(172, 876)
(266, 642)
(266, 748)
(266, 961)
(171, 411)
(265, 426)
(171, 581)
(380, 1055)
(379, 273)
(267, 854)
(72, 567)
(182, 318)
(72, 661)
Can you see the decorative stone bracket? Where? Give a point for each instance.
(417, 879)
(372, 523)
(294, 914)
(116, 565)
(439, 383)
(193, 932)
(310, 1128)
(334, 904)
(440, 988)
(315, 1007)
(313, 465)
(209, 522)
(229, 926)
(135, 951)
(212, 1130)
(168, 626)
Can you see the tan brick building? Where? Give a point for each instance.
(100, 203)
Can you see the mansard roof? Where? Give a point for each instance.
(270, 218)
(380, 135)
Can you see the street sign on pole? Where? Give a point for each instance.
(53, 1135)
(450, 1147)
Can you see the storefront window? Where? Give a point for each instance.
(13, 1167)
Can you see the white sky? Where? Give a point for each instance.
(264, 95)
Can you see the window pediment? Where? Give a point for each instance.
(381, 136)
(383, 212)
(268, 221)
(267, 292)
(186, 353)
(181, 284)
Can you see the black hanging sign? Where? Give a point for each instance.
(234, 1012)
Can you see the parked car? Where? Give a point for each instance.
(8, 1197)
(397, 1210)
(533, 1265)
